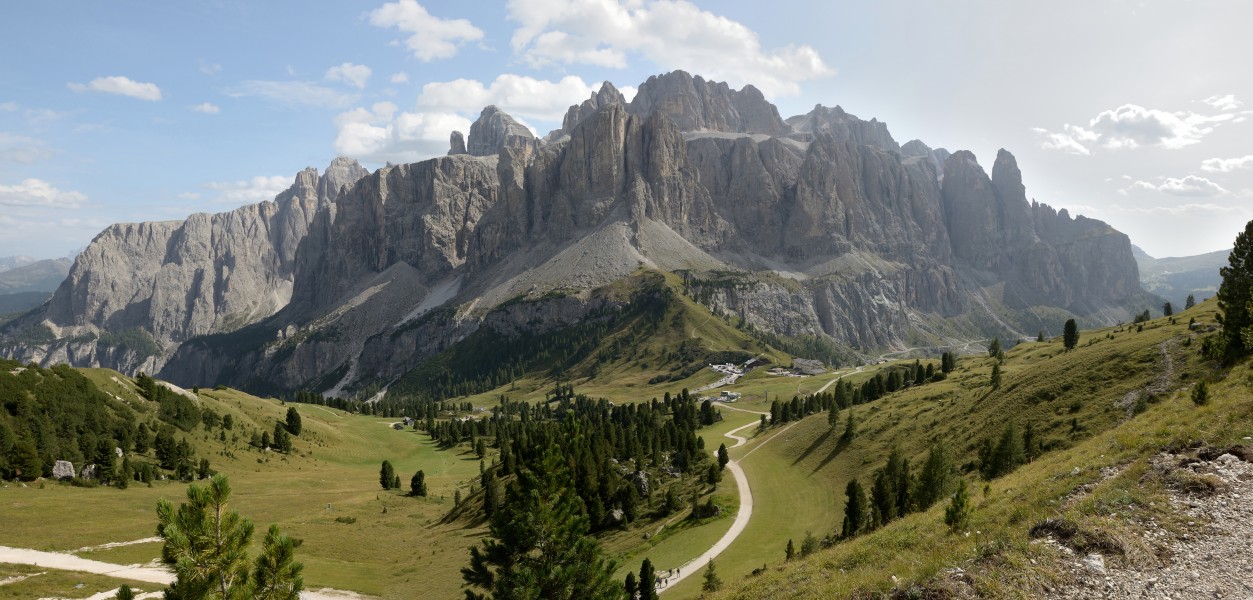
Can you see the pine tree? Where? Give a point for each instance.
(648, 581)
(994, 349)
(850, 427)
(386, 475)
(957, 514)
(996, 375)
(207, 544)
(538, 545)
(712, 582)
(1190, 302)
(417, 485)
(833, 416)
(124, 593)
(809, 545)
(855, 509)
(632, 586)
(1234, 295)
(1039, 337)
(294, 425)
(1070, 334)
(790, 552)
(933, 480)
(724, 457)
(1168, 310)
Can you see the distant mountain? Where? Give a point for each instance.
(818, 229)
(35, 276)
(9, 262)
(1173, 278)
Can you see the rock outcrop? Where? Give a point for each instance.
(608, 94)
(495, 130)
(456, 143)
(695, 104)
(843, 127)
(166, 282)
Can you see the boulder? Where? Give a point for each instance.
(88, 472)
(63, 469)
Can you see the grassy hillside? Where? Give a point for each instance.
(1100, 410)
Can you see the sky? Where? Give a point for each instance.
(1136, 113)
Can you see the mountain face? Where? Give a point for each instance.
(1175, 278)
(819, 226)
(34, 275)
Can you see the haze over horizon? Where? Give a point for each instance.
(1134, 113)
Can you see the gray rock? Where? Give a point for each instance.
(88, 472)
(843, 127)
(63, 469)
(695, 104)
(1094, 563)
(456, 143)
(640, 480)
(494, 131)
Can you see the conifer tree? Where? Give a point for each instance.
(648, 581)
(1168, 310)
(850, 426)
(631, 584)
(1070, 334)
(1200, 394)
(124, 593)
(1039, 337)
(207, 544)
(1234, 295)
(994, 348)
(386, 474)
(855, 509)
(538, 547)
(712, 582)
(957, 514)
(790, 552)
(1190, 302)
(933, 480)
(294, 426)
(833, 416)
(417, 484)
(724, 457)
(996, 375)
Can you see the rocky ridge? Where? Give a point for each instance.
(830, 228)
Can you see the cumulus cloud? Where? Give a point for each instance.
(1133, 126)
(22, 149)
(400, 78)
(354, 75)
(670, 34)
(294, 93)
(384, 134)
(1224, 103)
(1226, 165)
(518, 95)
(206, 108)
(431, 38)
(249, 191)
(38, 193)
(121, 86)
(1190, 209)
(1191, 185)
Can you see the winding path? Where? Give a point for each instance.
(694, 566)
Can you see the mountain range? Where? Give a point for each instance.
(819, 227)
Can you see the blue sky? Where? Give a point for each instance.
(1136, 113)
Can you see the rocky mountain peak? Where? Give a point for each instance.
(495, 130)
(342, 172)
(456, 143)
(695, 104)
(843, 126)
(935, 156)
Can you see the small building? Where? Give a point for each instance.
(725, 396)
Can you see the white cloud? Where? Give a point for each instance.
(210, 69)
(22, 149)
(8, 106)
(206, 108)
(400, 78)
(1226, 165)
(1191, 209)
(295, 93)
(248, 191)
(38, 193)
(432, 37)
(1132, 126)
(381, 134)
(1224, 103)
(1190, 185)
(1069, 140)
(354, 75)
(670, 34)
(518, 95)
(121, 86)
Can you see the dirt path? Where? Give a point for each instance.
(157, 575)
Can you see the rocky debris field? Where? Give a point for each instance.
(1212, 489)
